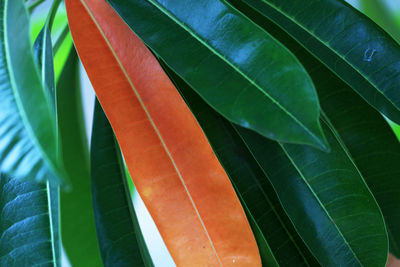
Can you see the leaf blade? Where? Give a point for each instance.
(140, 112)
(25, 224)
(242, 61)
(77, 219)
(357, 124)
(28, 134)
(349, 43)
(327, 201)
(277, 239)
(111, 200)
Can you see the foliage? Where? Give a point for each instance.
(295, 163)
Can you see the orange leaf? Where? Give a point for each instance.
(392, 261)
(173, 167)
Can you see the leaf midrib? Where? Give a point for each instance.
(281, 222)
(319, 202)
(153, 125)
(273, 100)
(235, 129)
(342, 144)
(326, 44)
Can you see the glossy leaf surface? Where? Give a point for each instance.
(363, 130)
(349, 43)
(239, 69)
(77, 218)
(27, 132)
(372, 144)
(278, 242)
(120, 238)
(171, 163)
(326, 198)
(25, 226)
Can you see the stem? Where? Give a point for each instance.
(52, 13)
(61, 39)
(31, 5)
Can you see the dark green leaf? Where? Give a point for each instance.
(25, 225)
(44, 58)
(28, 146)
(349, 43)
(77, 217)
(120, 239)
(277, 239)
(238, 68)
(370, 141)
(366, 135)
(53, 196)
(326, 198)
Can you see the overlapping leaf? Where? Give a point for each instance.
(26, 227)
(27, 132)
(121, 241)
(77, 217)
(349, 43)
(278, 242)
(362, 129)
(324, 195)
(370, 141)
(239, 69)
(326, 198)
(170, 161)
(44, 58)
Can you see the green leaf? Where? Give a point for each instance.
(77, 216)
(277, 239)
(27, 134)
(346, 41)
(44, 58)
(62, 52)
(238, 68)
(43, 52)
(266, 254)
(326, 198)
(53, 196)
(25, 225)
(62, 40)
(120, 239)
(363, 130)
(380, 13)
(371, 142)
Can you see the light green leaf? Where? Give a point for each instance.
(28, 146)
(379, 12)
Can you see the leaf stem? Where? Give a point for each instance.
(52, 13)
(60, 39)
(31, 5)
